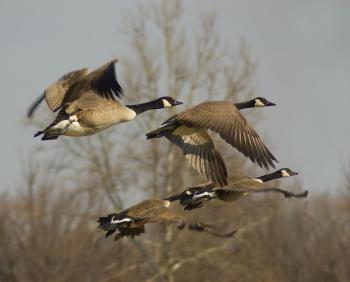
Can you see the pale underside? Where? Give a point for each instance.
(91, 114)
(86, 101)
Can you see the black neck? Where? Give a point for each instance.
(245, 105)
(175, 197)
(187, 194)
(270, 176)
(151, 105)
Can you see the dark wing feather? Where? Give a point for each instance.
(225, 119)
(104, 81)
(130, 232)
(34, 106)
(200, 151)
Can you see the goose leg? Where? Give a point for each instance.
(202, 227)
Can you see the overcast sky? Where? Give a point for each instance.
(304, 66)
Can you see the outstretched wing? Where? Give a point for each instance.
(200, 151)
(104, 81)
(225, 119)
(55, 94)
(35, 105)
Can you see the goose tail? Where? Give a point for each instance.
(162, 131)
(105, 222)
(47, 135)
(39, 133)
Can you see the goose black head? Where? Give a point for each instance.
(285, 172)
(262, 102)
(169, 101)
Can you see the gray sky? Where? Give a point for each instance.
(304, 66)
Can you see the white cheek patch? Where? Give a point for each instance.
(166, 103)
(121, 220)
(258, 103)
(285, 173)
(258, 180)
(188, 193)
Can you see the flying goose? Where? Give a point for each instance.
(131, 222)
(189, 131)
(86, 103)
(197, 196)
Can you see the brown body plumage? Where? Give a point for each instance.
(189, 130)
(131, 222)
(197, 196)
(86, 103)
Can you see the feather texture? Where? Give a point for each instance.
(225, 119)
(56, 93)
(200, 151)
(197, 196)
(131, 221)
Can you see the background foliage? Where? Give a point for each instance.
(48, 226)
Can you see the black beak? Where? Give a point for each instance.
(177, 103)
(271, 104)
(293, 173)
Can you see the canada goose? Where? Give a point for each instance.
(189, 131)
(86, 103)
(131, 222)
(197, 196)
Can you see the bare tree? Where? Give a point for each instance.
(167, 59)
(50, 233)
